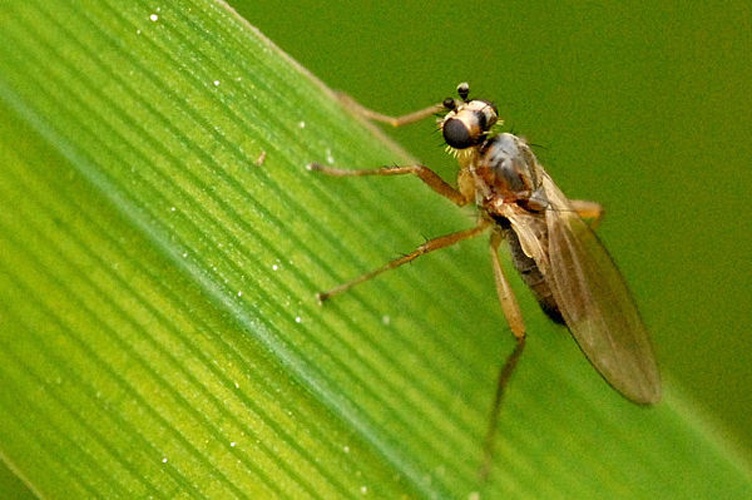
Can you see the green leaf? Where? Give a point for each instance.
(159, 328)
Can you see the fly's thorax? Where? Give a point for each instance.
(509, 166)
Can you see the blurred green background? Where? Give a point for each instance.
(644, 107)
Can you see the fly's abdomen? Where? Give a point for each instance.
(533, 278)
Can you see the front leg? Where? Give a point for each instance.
(425, 174)
(394, 121)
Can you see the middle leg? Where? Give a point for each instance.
(428, 246)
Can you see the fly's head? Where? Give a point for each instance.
(468, 122)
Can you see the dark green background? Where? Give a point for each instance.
(644, 107)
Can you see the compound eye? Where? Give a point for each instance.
(449, 103)
(457, 134)
(469, 124)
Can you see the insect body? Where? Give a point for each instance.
(555, 251)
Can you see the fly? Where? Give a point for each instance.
(556, 252)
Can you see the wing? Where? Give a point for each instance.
(596, 303)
